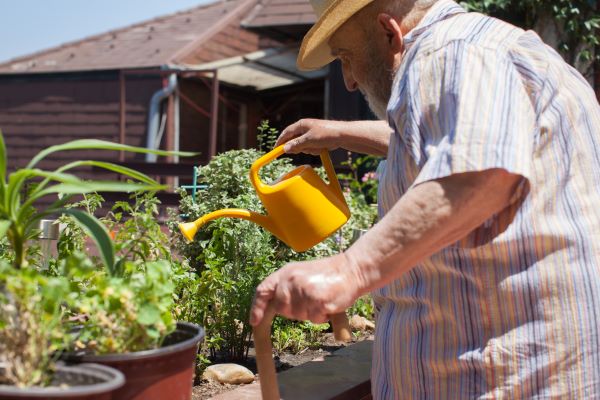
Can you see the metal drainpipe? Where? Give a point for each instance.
(153, 115)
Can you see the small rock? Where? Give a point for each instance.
(228, 373)
(358, 323)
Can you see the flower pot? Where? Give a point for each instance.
(73, 382)
(163, 373)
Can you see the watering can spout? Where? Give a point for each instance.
(189, 229)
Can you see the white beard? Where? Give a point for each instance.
(377, 88)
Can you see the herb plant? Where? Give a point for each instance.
(29, 299)
(232, 256)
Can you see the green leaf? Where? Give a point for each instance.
(17, 179)
(110, 167)
(4, 225)
(90, 144)
(83, 187)
(149, 314)
(99, 234)
(101, 186)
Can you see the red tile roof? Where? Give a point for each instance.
(272, 13)
(165, 40)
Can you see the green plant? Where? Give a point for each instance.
(364, 307)
(294, 336)
(362, 177)
(137, 234)
(266, 136)
(125, 313)
(577, 22)
(19, 192)
(32, 314)
(136, 303)
(231, 256)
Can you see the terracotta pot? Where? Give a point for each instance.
(164, 373)
(85, 382)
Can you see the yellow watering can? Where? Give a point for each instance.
(302, 210)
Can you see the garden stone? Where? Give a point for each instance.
(228, 373)
(358, 323)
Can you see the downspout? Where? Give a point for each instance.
(154, 116)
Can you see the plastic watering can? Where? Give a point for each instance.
(302, 210)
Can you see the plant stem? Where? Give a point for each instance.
(16, 240)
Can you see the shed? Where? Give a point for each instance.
(197, 80)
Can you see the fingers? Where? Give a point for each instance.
(262, 297)
(294, 130)
(301, 137)
(309, 290)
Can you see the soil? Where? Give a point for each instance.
(206, 389)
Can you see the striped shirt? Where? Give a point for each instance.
(512, 311)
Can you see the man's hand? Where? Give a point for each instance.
(313, 135)
(309, 290)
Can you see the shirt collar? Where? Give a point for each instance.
(441, 10)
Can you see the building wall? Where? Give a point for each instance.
(40, 111)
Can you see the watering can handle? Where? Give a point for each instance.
(261, 162)
(333, 180)
(278, 151)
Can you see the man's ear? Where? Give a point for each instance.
(391, 28)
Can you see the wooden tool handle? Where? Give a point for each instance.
(264, 349)
(341, 327)
(264, 356)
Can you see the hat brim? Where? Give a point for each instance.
(315, 52)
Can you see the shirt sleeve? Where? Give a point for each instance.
(468, 111)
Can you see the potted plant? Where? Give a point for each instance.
(32, 314)
(35, 304)
(129, 309)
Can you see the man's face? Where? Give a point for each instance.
(364, 66)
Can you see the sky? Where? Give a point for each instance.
(27, 26)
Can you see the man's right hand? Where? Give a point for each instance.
(313, 135)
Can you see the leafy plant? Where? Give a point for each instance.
(134, 308)
(266, 136)
(296, 337)
(362, 177)
(576, 22)
(125, 313)
(32, 312)
(29, 298)
(232, 256)
(364, 307)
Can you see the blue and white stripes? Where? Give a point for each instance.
(512, 310)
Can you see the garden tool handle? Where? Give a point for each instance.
(264, 356)
(264, 349)
(341, 327)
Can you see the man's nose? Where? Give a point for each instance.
(349, 81)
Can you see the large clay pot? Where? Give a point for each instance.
(73, 382)
(159, 374)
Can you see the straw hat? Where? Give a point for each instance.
(331, 15)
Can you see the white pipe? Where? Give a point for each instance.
(153, 116)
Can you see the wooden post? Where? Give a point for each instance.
(122, 104)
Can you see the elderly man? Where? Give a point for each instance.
(485, 265)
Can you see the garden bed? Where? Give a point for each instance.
(206, 389)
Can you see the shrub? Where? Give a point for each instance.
(232, 256)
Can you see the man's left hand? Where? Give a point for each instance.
(309, 290)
